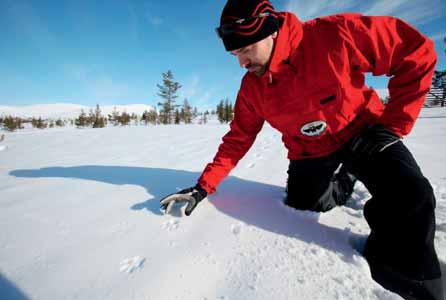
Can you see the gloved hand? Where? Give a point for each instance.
(371, 141)
(192, 196)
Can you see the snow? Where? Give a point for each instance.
(67, 111)
(80, 218)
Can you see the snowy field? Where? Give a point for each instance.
(80, 219)
(67, 111)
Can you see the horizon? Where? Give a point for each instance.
(109, 54)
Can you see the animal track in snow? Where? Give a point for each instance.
(171, 224)
(236, 229)
(251, 165)
(129, 265)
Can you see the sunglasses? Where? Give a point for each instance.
(229, 28)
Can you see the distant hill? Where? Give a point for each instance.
(68, 111)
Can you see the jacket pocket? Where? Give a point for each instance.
(323, 115)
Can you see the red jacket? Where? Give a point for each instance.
(314, 91)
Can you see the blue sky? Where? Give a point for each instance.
(113, 52)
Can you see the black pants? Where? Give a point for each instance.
(400, 213)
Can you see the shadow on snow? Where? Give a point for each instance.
(10, 291)
(253, 203)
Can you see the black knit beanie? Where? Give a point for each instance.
(239, 27)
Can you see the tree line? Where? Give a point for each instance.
(169, 112)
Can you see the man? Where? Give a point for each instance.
(307, 81)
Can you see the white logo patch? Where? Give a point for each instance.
(315, 128)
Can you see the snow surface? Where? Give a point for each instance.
(67, 111)
(80, 219)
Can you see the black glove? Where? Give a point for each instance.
(371, 141)
(192, 196)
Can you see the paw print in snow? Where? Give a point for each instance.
(129, 265)
(171, 224)
(251, 165)
(236, 229)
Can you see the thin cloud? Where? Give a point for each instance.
(413, 11)
(307, 10)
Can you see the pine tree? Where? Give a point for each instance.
(220, 112)
(145, 117)
(168, 92)
(124, 119)
(98, 120)
(134, 118)
(228, 111)
(439, 79)
(81, 120)
(39, 123)
(203, 119)
(225, 111)
(114, 117)
(91, 117)
(60, 123)
(12, 123)
(177, 116)
(153, 117)
(186, 112)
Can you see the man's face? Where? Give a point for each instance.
(255, 57)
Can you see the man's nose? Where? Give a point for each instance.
(243, 61)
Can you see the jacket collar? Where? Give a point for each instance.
(288, 40)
